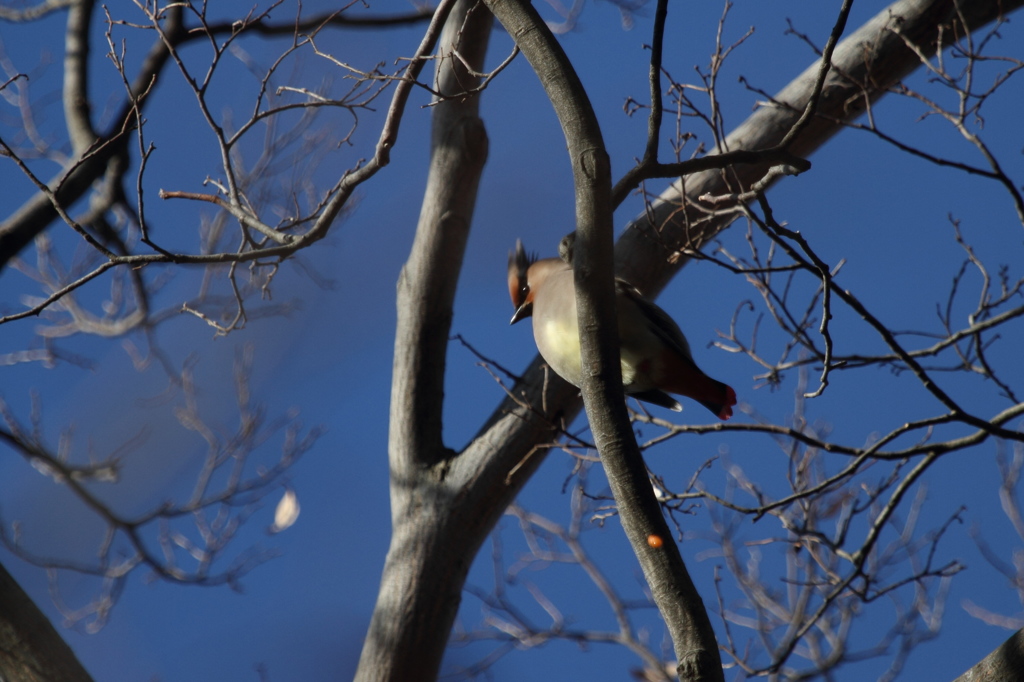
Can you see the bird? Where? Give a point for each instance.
(655, 356)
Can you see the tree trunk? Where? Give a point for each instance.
(31, 650)
(1005, 664)
(443, 503)
(417, 605)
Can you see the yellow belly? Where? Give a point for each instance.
(559, 345)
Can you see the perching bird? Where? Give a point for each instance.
(656, 358)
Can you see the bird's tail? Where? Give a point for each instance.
(712, 394)
(717, 397)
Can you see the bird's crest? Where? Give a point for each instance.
(518, 264)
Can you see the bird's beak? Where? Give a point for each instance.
(525, 310)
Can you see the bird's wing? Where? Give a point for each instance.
(658, 321)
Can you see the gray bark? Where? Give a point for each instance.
(31, 650)
(93, 155)
(444, 504)
(1005, 664)
(671, 587)
(865, 66)
(416, 605)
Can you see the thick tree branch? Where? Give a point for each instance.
(1005, 664)
(35, 12)
(76, 77)
(94, 156)
(673, 590)
(485, 477)
(336, 18)
(31, 650)
(93, 151)
(864, 67)
(419, 596)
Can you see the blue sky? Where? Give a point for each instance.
(302, 615)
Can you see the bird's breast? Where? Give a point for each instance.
(558, 341)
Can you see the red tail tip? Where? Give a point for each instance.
(730, 400)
